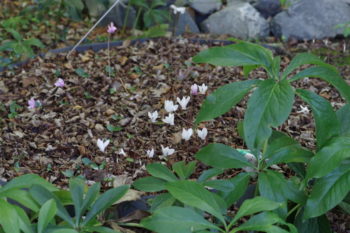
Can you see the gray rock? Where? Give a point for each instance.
(240, 20)
(120, 14)
(268, 8)
(95, 8)
(183, 23)
(206, 6)
(310, 19)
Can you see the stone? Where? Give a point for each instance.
(309, 19)
(240, 20)
(96, 8)
(120, 14)
(205, 6)
(268, 8)
(183, 23)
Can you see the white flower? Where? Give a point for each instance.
(186, 134)
(202, 133)
(169, 119)
(194, 89)
(304, 110)
(167, 151)
(169, 106)
(183, 102)
(153, 116)
(202, 89)
(176, 9)
(122, 152)
(102, 144)
(150, 153)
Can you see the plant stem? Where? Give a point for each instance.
(293, 209)
(109, 57)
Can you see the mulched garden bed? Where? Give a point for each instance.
(59, 138)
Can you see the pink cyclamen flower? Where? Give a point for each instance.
(59, 83)
(111, 28)
(32, 103)
(194, 89)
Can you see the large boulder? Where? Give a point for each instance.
(268, 8)
(95, 8)
(310, 19)
(205, 6)
(240, 20)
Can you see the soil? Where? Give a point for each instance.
(58, 139)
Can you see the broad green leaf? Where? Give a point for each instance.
(328, 191)
(34, 42)
(161, 201)
(65, 230)
(175, 219)
(104, 201)
(345, 207)
(327, 74)
(303, 59)
(264, 222)
(327, 125)
(182, 170)
(276, 187)
(8, 218)
(312, 225)
(222, 156)
(329, 157)
(149, 184)
(194, 194)
(207, 174)
(100, 229)
(46, 214)
(343, 115)
(42, 195)
(90, 196)
(24, 221)
(22, 197)
(223, 99)
(27, 181)
(269, 106)
(255, 205)
(76, 187)
(283, 149)
(232, 189)
(160, 171)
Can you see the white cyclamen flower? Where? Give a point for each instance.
(150, 153)
(153, 116)
(170, 106)
(183, 102)
(167, 151)
(202, 133)
(102, 144)
(186, 134)
(304, 110)
(176, 9)
(202, 89)
(194, 89)
(122, 152)
(169, 119)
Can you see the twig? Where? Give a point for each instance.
(92, 28)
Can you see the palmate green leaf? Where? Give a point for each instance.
(329, 157)
(312, 225)
(211, 172)
(327, 125)
(182, 170)
(195, 195)
(27, 181)
(264, 222)
(232, 189)
(149, 184)
(343, 116)
(24, 221)
(328, 191)
(276, 187)
(76, 187)
(90, 197)
(221, 156)
(223, 99)
(160, 171)
(175, 219)
(8, 218)
(104, 201)
(64, 230)
(284, 149)
(303, 59)
(328, 74)
(22, 197)
(46, 214)
(255, 205)
(269, 106)
(162, 200)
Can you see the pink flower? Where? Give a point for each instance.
(111, 28)
(32, 103)
(59, 83)
(194, 89)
